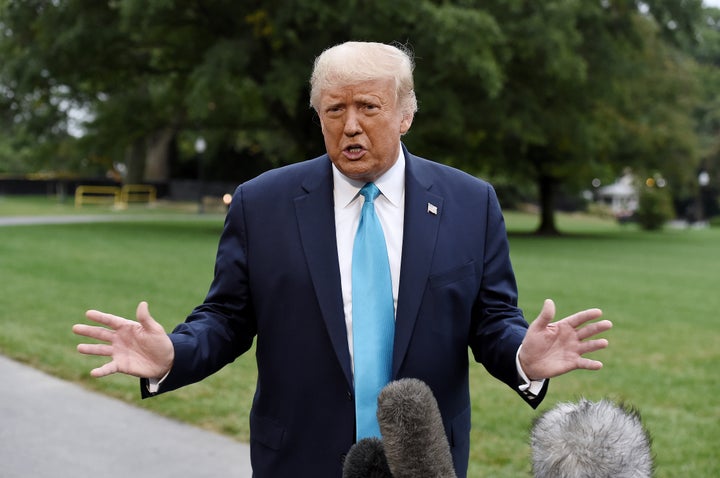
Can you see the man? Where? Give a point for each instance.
(284, 276)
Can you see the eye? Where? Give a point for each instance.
(370, 107)
(333, 111)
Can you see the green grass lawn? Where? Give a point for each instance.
(658, 289)
(11, 206)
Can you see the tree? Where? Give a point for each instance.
(706, 51)
(588, 86)
(551, 93)
(234, 72)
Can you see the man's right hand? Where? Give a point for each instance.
(141, 349)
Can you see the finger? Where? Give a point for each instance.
(146, 320)
(112, 321)
(592, 346)
(547, 314)
(95, 349)
(93, 332)
(579, 318)
(142, 314)
(589, 364)
(594, 329)
(107, 369)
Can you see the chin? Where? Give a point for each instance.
(356, 170)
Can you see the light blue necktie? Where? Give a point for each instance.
(373, 317)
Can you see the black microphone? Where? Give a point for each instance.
(413, 434)
(366, 459)
(591, 440)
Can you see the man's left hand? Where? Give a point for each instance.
(554, 348)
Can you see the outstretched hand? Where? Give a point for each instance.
(554, 348)
(141, 348)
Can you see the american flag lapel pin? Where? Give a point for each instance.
(432, 209)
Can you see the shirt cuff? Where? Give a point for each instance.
(153, 384)
(529, 388)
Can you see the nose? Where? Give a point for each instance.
(352, 123)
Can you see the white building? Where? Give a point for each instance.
(621, 196)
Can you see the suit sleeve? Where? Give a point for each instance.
(498, 325)
(223, 327)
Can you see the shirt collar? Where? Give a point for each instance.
(391, 184)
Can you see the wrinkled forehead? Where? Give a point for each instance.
(382, 90)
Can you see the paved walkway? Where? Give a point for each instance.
(50, 428)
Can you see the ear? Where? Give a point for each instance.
(406, 122)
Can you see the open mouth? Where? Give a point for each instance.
(354, 151)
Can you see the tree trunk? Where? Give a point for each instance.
(157, 162)
(135, 161)
(547, 207)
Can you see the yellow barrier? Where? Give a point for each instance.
(138, 193)
(97, 195)
(118, 197)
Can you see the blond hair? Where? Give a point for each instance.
(354, 62)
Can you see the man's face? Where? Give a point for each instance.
(362, 125)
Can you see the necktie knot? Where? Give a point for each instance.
(370, 192)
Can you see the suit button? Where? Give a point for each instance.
(349, 395)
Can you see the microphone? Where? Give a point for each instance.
(413, 434)
(366, 459)
(591, 440)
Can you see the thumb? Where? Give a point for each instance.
(547, 314)
(143, 316)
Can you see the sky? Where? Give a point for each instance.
(712, 3)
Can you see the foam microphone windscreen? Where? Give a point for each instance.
(413, 433)
(366, 459)
(591, 440)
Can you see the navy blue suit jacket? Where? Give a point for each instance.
(277, 280)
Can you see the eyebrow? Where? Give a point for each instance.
(334, 104)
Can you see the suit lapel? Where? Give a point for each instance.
(316, 219)
(423, 211)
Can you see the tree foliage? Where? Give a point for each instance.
(706, 51)
(540, 94)
(591, 87)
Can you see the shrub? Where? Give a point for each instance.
(654, 208)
